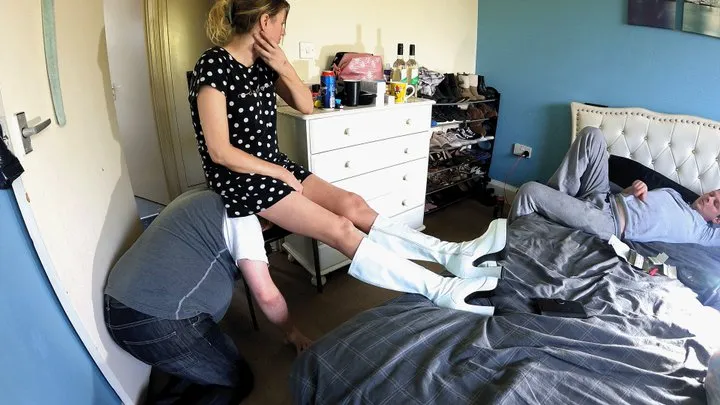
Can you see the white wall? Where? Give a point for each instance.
(127, 53)
(76, 180)
(445, 32)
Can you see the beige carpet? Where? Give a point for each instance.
(317, 314)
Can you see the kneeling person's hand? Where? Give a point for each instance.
(300, 341)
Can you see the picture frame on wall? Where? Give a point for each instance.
(653, 13)
(702, 17)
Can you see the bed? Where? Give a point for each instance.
(648, 339)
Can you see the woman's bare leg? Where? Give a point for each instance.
(340, 202)
(298, 214)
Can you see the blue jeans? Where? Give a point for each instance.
(206, 366)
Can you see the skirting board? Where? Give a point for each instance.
(506, 190)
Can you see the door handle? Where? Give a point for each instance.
(27, 131)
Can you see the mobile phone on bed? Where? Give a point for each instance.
(562, 308)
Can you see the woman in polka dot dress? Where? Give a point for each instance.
(234, 113)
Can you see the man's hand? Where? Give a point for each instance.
(301, 342)
(638, 189)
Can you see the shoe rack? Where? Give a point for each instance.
(461, 151)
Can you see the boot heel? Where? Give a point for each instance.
(477, 295)
(495, 257)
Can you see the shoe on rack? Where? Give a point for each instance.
(476, 171)
(443, 114)
(457, 140)
(458, 90)
(467, 133)
(464, 85)
(474, 87)
(442, 139)
(475, 112)
(492, 93)
(476, 123)
(436, 142)
(488, 111)
(481, 89)
(454, 88)
(443, 92)
(458, 114)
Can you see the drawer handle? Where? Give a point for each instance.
(404, 203)
(407, 151)
(408, 122)
(347, 131)
(405, 177)
(347, 164)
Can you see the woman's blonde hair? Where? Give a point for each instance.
(228, 17)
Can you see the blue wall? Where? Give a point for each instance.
(42, 360)
(543, 54)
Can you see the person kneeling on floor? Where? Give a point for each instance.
(167, 293)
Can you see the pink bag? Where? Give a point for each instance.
(359, 66)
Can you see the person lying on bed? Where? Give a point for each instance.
(167, 293)
(578, 196)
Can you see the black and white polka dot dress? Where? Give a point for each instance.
(252, 118)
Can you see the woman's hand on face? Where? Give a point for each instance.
(270, 52)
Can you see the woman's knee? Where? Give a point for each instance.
(353, 205)
(341, 231)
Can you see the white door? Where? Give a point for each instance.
(75, 194)
(130, 76)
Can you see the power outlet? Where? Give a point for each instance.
(519, 149)
(307, 50)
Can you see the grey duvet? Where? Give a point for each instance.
(647, 340)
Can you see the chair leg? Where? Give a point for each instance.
(316, 264)
(251, 306)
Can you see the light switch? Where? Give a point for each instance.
(307, 50)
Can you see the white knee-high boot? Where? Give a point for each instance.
(475, 258)
(373, 264)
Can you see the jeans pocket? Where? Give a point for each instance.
(168, 351)
(151, 341)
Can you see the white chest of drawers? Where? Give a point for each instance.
(380, 153)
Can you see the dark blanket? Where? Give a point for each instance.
(647, 341)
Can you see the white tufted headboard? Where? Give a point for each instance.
(684, 148)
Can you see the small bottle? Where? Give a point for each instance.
(399, 70)
(387, 72)
(413, 69)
